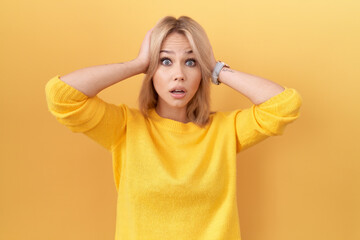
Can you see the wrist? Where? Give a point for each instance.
(216, 72)
(141, 65)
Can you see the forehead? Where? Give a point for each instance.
(176, 42)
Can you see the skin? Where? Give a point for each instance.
(92, 80)
(177, 69)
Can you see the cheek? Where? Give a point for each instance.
(197, 80)
(158, 81)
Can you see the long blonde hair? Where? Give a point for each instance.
(198, 109)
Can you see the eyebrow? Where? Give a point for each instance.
(168, 51)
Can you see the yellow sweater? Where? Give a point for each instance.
(174, 180)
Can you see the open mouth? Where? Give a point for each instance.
(178, 91)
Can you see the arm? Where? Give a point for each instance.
(257, 89)
(92, 80)
(275, 107)
(72, 99)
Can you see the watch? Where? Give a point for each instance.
(215, 74)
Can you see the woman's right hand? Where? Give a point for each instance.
(144, 55)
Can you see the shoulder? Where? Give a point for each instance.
(133, 115)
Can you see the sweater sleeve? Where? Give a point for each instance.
(267, 119)
(101, 121)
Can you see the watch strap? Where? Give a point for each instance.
(215, 74)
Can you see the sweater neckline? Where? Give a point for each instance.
(171, 124)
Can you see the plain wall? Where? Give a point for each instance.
(55, 184)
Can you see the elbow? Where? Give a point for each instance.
(269, 95)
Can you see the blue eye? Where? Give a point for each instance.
(190, 62)
(165, 61)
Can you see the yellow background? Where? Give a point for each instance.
(55, 184)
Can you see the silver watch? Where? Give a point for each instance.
(215, 74)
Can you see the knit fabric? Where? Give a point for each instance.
(174, 180)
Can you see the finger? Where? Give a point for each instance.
(148, 35)
(149, 32)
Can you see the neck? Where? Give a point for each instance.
(177, 114)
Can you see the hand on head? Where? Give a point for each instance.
(144, 54)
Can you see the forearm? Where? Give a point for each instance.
(257, 89)
(92, 80)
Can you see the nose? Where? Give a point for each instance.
(178, 73)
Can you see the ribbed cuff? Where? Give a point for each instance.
(73, 108)
(59, 91)
(288, 96)
(285, 104)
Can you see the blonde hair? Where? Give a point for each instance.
(198, 109)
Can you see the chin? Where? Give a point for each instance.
(179, 105)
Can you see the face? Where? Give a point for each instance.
(178, 75)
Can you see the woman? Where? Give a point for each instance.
(174, 161)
